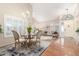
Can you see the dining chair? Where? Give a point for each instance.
(18, 40)
(55, 35)
(38, 36)
(22, 34)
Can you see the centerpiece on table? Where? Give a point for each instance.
(29, 30)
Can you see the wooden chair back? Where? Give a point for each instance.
(16, 35)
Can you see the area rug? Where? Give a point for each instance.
(12, 51)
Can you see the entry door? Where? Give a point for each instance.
(69, 28)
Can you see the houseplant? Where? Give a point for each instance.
(0, 28)
(29, 30)
(77, 30)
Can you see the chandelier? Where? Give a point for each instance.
(67, 16)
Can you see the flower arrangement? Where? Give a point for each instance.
(29, 29)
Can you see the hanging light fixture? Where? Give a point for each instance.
(67, 16)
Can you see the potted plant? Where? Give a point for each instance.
(0, 28)
(29, 30)
(77, 30)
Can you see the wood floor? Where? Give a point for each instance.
(70, 48)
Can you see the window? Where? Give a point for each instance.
(12, 23)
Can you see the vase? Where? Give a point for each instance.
(29, 35)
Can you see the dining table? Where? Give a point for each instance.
(29, 39)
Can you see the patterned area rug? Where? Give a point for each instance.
(12, 51)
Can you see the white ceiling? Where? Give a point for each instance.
(50, 11)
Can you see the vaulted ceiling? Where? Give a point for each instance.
(43, 12)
